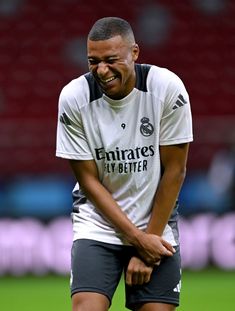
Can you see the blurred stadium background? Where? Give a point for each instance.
(43, 47)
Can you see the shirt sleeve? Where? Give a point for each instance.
(71, 141)
(176, 121)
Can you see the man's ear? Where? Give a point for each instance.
(135, 51)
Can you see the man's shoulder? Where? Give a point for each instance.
(75, 86)
(77, 92)
(161, 78)
(162, 74)
(84, 87)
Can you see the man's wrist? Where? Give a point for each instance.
(134, 237)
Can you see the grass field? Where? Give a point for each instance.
(206, 290)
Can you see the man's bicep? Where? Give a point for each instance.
(84, 170)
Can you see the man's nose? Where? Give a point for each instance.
(102, 68)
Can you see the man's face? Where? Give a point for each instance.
(112, 64)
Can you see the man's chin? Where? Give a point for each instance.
(111, 92)
(114, 95)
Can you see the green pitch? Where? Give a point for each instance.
(210, 290)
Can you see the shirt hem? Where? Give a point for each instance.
(72, 156)
(176, 141)
(112, 240)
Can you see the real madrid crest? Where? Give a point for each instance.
(146, 128)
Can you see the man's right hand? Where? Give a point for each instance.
(152, 248)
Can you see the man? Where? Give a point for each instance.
(125, 129)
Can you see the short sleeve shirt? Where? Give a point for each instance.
(123, 138)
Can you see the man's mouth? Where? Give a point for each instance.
(104, 81)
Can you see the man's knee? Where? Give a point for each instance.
(88, 301)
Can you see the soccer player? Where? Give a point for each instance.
(125, 128)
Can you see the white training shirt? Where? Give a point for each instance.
(123, 138)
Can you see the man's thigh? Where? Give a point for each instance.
(163, 287)
(96, 267)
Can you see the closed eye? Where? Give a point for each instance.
(93, 62)
(111, 61)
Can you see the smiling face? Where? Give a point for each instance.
(112, 63)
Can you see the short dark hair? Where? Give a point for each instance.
(108, 27)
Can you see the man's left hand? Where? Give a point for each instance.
(138, 272)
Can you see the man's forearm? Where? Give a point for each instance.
(109, 208)
(87, 176)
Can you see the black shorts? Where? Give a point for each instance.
(98, 267)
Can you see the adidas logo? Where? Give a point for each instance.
(177, 288)
(180, 102)
(65, 119)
